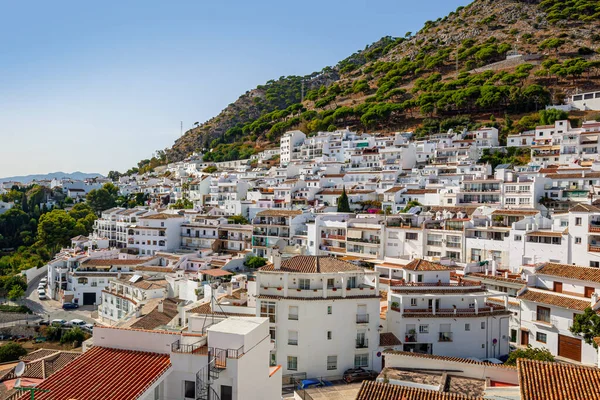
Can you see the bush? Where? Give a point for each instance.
(529, 353)
(255, 262)
(15, 309)
(11, 352)
(75, 335)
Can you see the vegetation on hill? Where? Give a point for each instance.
(441, 77)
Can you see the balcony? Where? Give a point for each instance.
(445, 337)
(594, 249)
(594, 227)
(293, 317)
(362, 343)
(372, 240)
(410, 337)
(362, 318)
(293, 342)
(333, 237)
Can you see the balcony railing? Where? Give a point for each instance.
(362, 318)
(594, 249)
(367, 241)
(445, 337)
(410, 338)
(293, 317)
(362, 343)
(594, 228)
(293, 342)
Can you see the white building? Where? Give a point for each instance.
(556, 293)
(323, 314)
(430, 314)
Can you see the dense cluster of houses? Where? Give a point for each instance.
(439, 260)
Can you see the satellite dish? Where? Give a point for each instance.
(19, 369)
(18, 383)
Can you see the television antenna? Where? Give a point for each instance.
(19, 370)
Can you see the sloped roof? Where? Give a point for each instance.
(586, 208)
(101, 373)
(419, 264)
(312, 264)
(155, 318)
(570, 271)
(278, 213)
(557, 381)
(553, 299)
(384, 391)
(388, 339)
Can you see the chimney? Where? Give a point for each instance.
(276, 258)
(594, 298)
(160, 307)
(494, 267)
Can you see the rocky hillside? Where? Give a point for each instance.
(454, 72)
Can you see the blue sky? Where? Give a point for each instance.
(98, 86)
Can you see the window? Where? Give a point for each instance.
(413, 302)
(595, 264)
(331, 363)
(329, 310)
(189, 389)
(304, 283)
(330, 283)
(267, 309)
(292, 363)
(361, 360)
(157, 393)
(423, 328)
(518, 238)
(226, 392)
(272, 333)
(543, 314)
(293, 313)
(511, 200)
(467, 327)
(513, 335)
(419, 278)
(483, 325)
(578, 221)
(541, 337)
(293, 338)
(329, 335)
(412, 236)
(577, 240)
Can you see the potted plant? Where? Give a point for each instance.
(279, 288)
(395, 304)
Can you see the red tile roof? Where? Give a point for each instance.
(387, 339)
(385, 391)
(312, 265)
(570, 271)
(557, 381)
(102, 373)
(554, 299)
(445, 358)
(419, 264)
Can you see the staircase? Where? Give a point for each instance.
(217, 361)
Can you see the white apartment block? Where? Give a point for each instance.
(323, 314)
(432, 315)
(155, 233)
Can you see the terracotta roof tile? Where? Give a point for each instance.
(155, 318)
(312, 265)
(584, 208)
(553, 299)
(278, 213)
(388, 339)
(557, 381)
(419, 264)
(97, 262)
(101, 374)
(444, 358)
(419, 191)
(570, 271)
(515, 212)
(385, 391)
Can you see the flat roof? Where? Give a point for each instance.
(237, 325)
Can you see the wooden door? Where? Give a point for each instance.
(569, 347)
(588, 291)
(558, 287)
(524, 338)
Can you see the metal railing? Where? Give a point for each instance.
(293, 317)
(445, 337)
(362, 318)
(362, 343)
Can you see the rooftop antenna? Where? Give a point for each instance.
(19, 370)
(180, 128)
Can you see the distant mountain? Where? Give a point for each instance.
(30, 178)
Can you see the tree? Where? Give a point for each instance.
(548, 117)
(587, 325)
(343, 205)
(15, 293)
(210, 169)
(100, 200)
(11, 352)
(56, 228)
(255, 262)
(183, 204)
(529, 353)
(238, 219)
(75, 336)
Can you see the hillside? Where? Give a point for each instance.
(452, 73)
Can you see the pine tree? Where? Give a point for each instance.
(343, 203)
